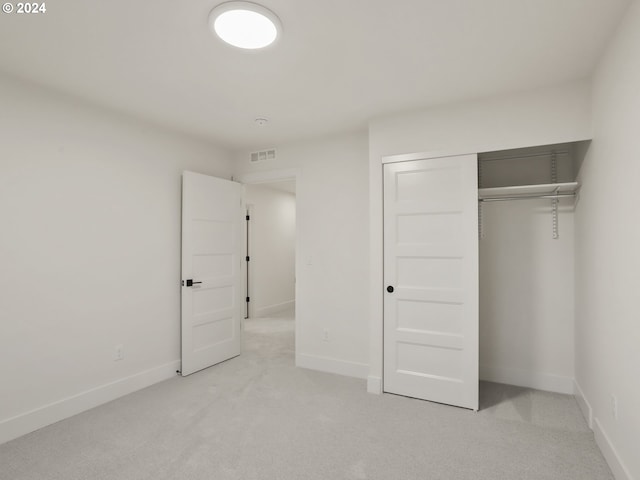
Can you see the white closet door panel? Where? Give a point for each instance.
(431, 261)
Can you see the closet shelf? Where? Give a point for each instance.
(529, 191)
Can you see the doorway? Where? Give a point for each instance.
(214, 275)
(270, 248)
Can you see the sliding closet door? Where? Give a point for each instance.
(431, 280)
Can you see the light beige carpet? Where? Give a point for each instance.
(259, 417)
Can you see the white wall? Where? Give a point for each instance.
(541, 117)
(332, 249)
(608, 257)
(90, 254)
(527, 280)
(272, 234)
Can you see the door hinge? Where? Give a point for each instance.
(247, 299)
(247, 258)
(248, 218)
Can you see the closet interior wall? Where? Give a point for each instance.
(527, 276)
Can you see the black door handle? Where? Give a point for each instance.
(191, 283)
(390, 289)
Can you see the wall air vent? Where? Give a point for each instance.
(263, 155)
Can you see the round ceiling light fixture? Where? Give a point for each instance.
(245, 25)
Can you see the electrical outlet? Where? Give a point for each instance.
(118, 354)
(614, 406)
(325, 335)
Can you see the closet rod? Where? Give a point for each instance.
(529, 155)
(525, 197)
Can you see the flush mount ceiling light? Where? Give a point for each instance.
(245, 25)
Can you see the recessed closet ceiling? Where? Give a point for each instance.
(338, 64)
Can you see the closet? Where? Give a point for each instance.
(525, 221)
(478, 271)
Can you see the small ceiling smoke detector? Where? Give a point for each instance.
(261, 122)
(245, 25)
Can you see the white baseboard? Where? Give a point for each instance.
(332, 365)
(273, 309)
(583, 403)
(27, 422)
(374, 385)
(525, 378)
(618, 468)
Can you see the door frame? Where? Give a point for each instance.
(376, 256)
(270, 176)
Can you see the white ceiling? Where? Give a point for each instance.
(338, 64)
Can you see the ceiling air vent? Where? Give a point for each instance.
(263, 155)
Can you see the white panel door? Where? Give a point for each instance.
(431, 280)
(212, 298)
